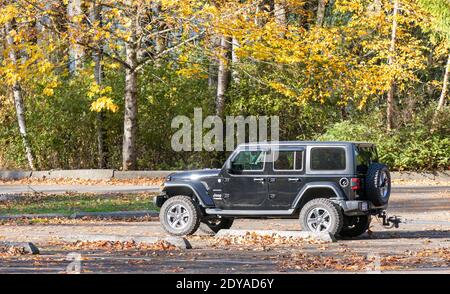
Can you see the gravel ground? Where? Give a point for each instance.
(422, 244)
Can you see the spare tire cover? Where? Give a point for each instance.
(378, 184)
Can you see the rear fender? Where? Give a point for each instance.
(314, 190)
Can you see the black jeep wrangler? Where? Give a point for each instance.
(331, 187)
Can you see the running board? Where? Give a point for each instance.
(249, 212)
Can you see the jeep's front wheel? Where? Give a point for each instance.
(355, 225)
(321, 215)
(180, 216)
(211, 226)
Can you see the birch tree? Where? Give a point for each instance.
(320, 12)
(223, 76)
(391, 91)
(97, 57)
(74, 12)
(18, 95)
(443, 95)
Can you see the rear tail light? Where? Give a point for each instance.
(355, 184)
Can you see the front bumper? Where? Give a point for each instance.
(359, 207)
(159, 200)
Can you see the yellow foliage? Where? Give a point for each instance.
(48, 91)
(104, 103)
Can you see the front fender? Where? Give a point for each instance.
(196, 188)
(318, 185)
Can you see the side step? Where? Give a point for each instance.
(249, 212)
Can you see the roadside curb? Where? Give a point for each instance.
(79, 215)
(26, 247)
(179, 242)
(90, 174)
(326, 237)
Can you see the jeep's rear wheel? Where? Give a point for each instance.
(180, 216)
(321, 215)
(211, 226)
(355, 225)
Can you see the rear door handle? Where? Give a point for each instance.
(293, 180)
(259, 180)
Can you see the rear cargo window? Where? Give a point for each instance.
(365, 156)
(325, 158)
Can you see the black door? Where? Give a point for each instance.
(285, 178)
(245, 186)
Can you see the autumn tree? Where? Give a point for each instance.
(25, 63)
(440, 10)
(126, 35)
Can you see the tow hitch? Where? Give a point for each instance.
(389, 222)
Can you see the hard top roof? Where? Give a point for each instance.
(293, 143)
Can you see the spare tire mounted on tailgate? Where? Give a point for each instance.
(378, 184)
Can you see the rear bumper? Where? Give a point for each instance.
(359, 207)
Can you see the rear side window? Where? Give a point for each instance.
(328, 158)
(284, 160)
(288, 160)
(365, 156)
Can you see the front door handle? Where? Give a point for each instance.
(258, 180)
(294, 180)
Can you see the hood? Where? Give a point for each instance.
(194, 174)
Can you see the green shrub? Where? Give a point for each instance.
(409, 147)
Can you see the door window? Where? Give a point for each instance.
(249, 161)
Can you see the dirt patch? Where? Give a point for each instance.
(118, 246)
(421, 182)
(434, 258)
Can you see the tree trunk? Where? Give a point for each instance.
(234, 60)
(18, 101)
(223, 77)
(76, 51)
(160, 38)
(213, 65)
(441, 103)
(390, 94)
(97, 56)
(375, 6)
(320, 12)
(130, 112)
(279, 7)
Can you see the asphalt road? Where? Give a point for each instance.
(422, 244)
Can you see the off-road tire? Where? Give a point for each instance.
(193, 221)
(355, 226)
(336, 218)
(210, 228)
(372, 184)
